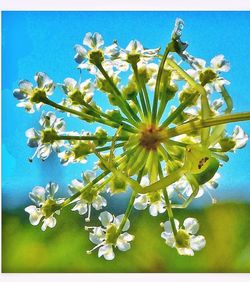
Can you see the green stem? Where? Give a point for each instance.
(170, 212)
(177, 111)
(205, 109)
(168, 205)
(87, 117)
(124, 106)
(84, 189)
(75, 137)
(141, 94)
(144, 89)
(100, 113)
(157, 86)
(130, 206)
(199, 124)
(109, 147)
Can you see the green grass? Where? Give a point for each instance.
(226, 227)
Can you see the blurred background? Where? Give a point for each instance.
(43, 41)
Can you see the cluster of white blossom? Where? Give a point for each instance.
(166, 159)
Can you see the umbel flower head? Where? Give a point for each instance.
(184, 239)
(46, 206)
(164, 159)
(109, 236)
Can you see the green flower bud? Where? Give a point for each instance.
(130, 91)
(154, 196)
(117, 185)
(101, 134)
(115, 114)
(81, 149)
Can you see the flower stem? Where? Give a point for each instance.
(170, 212)
(84, 116)
(199, 124)
(177, 111)
(124, 106)
(130, 206)
(157, 86)
(141, 94)
(76, 137)
(168, 205)
(106, 148)
(84, 189)
(205, 109)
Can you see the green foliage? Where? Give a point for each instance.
(226, 227)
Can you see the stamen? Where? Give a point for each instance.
(96, 247)
(87, 219)
(32, 157)
(214, 200)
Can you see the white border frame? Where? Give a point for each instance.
(126, 5)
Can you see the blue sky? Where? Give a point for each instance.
(43, 41)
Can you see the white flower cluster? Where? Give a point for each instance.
(166, 159)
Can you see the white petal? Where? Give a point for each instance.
(37, 194)
(168, 228)
(141, 202)
(44, 151)
(99, 202)
(107, 252)
(52, 188)
(35, 214)
(93, 41)
(153, 209)
(105, 218)
(185, 251)
(48, 222)
(81, 207)
(89, 176)
(219, 63)
(169, 238)
(70, 83)
(26, 86)
(98, 236)
(240, 137)
(197, 242)
(191, 225)
(145, 181)
(43, 80)
(118, 220)
(122, 244)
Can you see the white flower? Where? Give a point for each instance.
(30, 95)
(77, 91)
(134, 53)
(44, 139)
(46, 206)
(183, 187)
(84, 57)
(209, 76)
(154, 200)
(76, 150)
(185, 240)
(86, 200)
(239, 137)
(107, 237)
